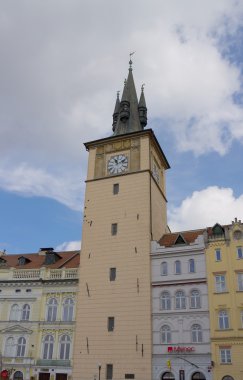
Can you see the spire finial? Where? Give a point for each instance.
(142, 87)
(117, 94)
(130, 62)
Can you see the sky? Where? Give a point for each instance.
(62, 63)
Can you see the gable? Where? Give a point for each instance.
(16, 329)
(180, 240)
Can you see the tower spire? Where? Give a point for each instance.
(131, 116)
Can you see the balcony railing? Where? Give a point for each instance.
(45, 274)
(53, 363)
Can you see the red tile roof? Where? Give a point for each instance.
(169, 240)
(68, 259)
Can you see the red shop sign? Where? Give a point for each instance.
(4, 373)
(177, 349)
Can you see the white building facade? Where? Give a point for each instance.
(180, 315)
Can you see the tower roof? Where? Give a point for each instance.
(128, 118)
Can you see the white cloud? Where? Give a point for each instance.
(29, 181)
(62, 63)
(69, 246)
(205, 208)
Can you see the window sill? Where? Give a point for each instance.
(224, 292)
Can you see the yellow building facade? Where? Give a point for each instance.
(37, 314)
(125, 208)
(224, 256)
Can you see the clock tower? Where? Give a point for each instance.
(125, 208)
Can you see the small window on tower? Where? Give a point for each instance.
(112, 274)
(114, 229)
(111, 323)
(116, 188)
(109, 371)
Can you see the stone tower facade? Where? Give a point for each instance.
(125, 208)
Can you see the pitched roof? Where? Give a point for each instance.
(169, 240)
(68, 259)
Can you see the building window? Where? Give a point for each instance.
(25, 313)
(48, 344)
(177, 267)
(164, 269)
(166, 334)
(65, 344)
(21, 344)
(18, 375)
(217, 255)
(14, 313)
(116, 188)
(109, 371)
(112, 274)
(68, 306)
(240, 281)
(195, 299)
(223, 320)
(196, 331)
(192, 266)
(225, 355)
(239, 253)
(111, 323)
(17, 290)
(227, 378)
(180, 300)
(51, 310)
(220, 283)
(114, 229)
(165, 301)
(9, 347)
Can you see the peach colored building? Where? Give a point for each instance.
(125, 208)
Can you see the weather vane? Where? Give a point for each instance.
(130, 62)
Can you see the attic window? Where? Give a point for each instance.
(217, 230)
(2, 261)
(51, 258)
(180, 240)
(22, 260)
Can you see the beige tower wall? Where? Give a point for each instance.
(128, 299)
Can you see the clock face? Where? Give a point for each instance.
(155, 173)
(117, 164)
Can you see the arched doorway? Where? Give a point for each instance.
(227, 378)
(167, 376)
(18, 375)
(198, 376)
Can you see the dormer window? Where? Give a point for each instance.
(217, 230)
(23, 260)
(51, 258)
(3, 262)
(180, 240)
